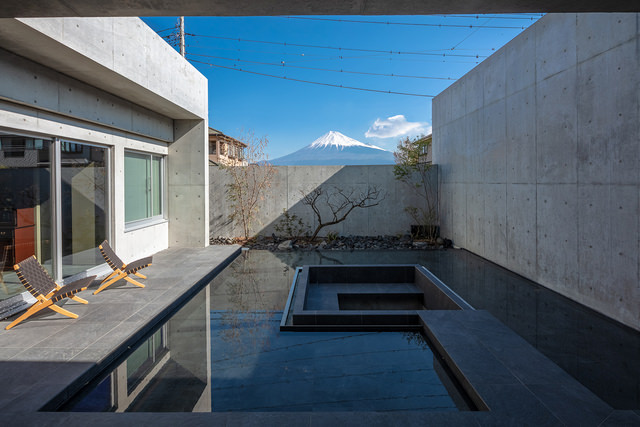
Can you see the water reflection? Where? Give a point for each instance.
(245, 297)
(327, 371)
(601, 353)
(226, 352)
(255, 367)
(168, 372)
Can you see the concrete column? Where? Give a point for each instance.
(188, 185)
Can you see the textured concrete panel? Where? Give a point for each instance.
(458, 98)
(553, 57)
(494, 159)
(475, 218)
(608, 133)
(188, 185)
(521, 228)
(557, 237)
(447, 226)
(594, 238)
(593, 38)
(99, 52)
(572, 142)
(556, 140)
(454, 169)
(624, 214)
(459, 213)
(521, 136)
(520, 69)
(290, 184)
(494, 82)
(474, 146)
(495, 227)
(41, 89)
(608, 215)
(474, 91)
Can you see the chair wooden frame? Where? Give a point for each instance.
(46, 291)
(121, 270)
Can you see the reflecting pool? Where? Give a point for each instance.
(223, 351)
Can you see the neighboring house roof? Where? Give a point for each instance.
(226, 138)
(225, 150)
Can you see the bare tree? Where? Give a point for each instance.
(249, 183)
(340, 203)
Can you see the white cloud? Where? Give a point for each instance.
(395, 126)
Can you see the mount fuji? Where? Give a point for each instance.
(334, 148)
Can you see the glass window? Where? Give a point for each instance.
(25, 207)
(143, 192)
(83, 205)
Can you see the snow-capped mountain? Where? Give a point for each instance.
(334, 148)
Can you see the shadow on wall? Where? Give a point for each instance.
(292, 183)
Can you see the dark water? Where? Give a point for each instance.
(223, 351)
(601, 353)
(263, 369)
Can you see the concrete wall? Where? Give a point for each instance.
(539, 154)
(291, 182)
(114, 82)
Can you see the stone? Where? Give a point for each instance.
(287, 245)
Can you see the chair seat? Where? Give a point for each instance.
(134, 266)
(72, 288)
(121, 270)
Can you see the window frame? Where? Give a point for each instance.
(152, 219)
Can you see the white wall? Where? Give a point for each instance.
(539, 149)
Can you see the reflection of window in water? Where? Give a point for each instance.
(146, 379)
(143, 360)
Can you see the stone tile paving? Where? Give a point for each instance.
(44, 354)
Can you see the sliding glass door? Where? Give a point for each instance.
(83, 206)
(54, 200)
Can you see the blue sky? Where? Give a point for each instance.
(293, 114)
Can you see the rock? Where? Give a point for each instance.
(287, 245)
(440, 241)
(420, 245)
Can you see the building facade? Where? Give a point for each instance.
(226, 151)
(103, 131)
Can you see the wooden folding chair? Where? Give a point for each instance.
(47, 292)
(121, 270)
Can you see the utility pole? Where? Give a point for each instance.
(182, 52)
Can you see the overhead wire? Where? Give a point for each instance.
(314, 82)
(284, 64)
(519, 17)
(166, 29)
(468, 36)
(349, 49)
(442, 53)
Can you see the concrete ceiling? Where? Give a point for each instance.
(52, 8)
